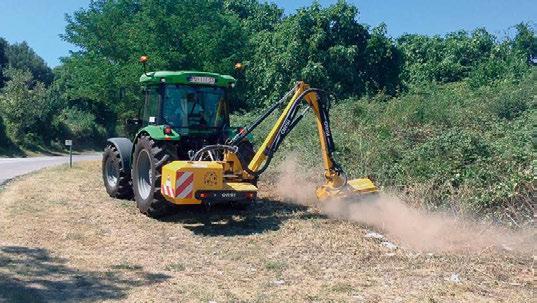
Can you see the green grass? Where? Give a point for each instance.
(176, 267)
(275, 265)
(445, 146)
(342, 287)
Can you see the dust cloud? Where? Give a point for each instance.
(294, 183)
(410, 227)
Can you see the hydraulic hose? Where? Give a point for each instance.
(231, 148)
(240, 136)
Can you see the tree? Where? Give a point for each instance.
(461, 55)
(22, 56)
(24, 108)
(384, 62)
(3, 60)
(177, 35)
(255, 16)
(326, 47)
(525, 40)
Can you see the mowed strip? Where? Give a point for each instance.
(66, 240)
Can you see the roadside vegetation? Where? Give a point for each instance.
(447, 120)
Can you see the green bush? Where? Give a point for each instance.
(24, 108)
(510, 106)
(80, 126)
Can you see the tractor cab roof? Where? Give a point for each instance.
(188, 78)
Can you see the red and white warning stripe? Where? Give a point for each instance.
(167, 189)
(184, 185)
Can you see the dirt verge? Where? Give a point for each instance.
(63, 239)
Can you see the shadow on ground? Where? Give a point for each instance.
(33, 275)
(222, 220)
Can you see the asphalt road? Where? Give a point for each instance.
(13, 167)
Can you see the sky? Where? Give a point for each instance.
(40, 22)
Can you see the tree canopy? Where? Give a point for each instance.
(22, 56)
(326, 46)
(3, 60)
(461, 55)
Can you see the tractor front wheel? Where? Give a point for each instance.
(117, 179)
(149, 158)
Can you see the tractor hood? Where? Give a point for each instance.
(188, 78)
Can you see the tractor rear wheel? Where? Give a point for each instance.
(117, 179)
(149, 158)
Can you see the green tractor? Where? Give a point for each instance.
(184, 111)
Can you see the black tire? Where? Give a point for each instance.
(149, 157)
(117, 180)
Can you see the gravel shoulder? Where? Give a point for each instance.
(62, 239)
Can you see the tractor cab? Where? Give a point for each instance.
(190, 103)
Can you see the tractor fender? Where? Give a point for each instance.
(124, 146)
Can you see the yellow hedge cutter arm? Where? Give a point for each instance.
(336, 181)
(232, 178)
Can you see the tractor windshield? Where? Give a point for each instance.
(194, 107)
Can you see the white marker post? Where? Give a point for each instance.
(70, 144)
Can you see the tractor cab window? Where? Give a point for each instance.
(194, 107)
(151, 106)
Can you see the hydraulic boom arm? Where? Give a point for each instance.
(336, 181)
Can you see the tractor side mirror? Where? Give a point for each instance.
(134, 121)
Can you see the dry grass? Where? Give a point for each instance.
(63, 239)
